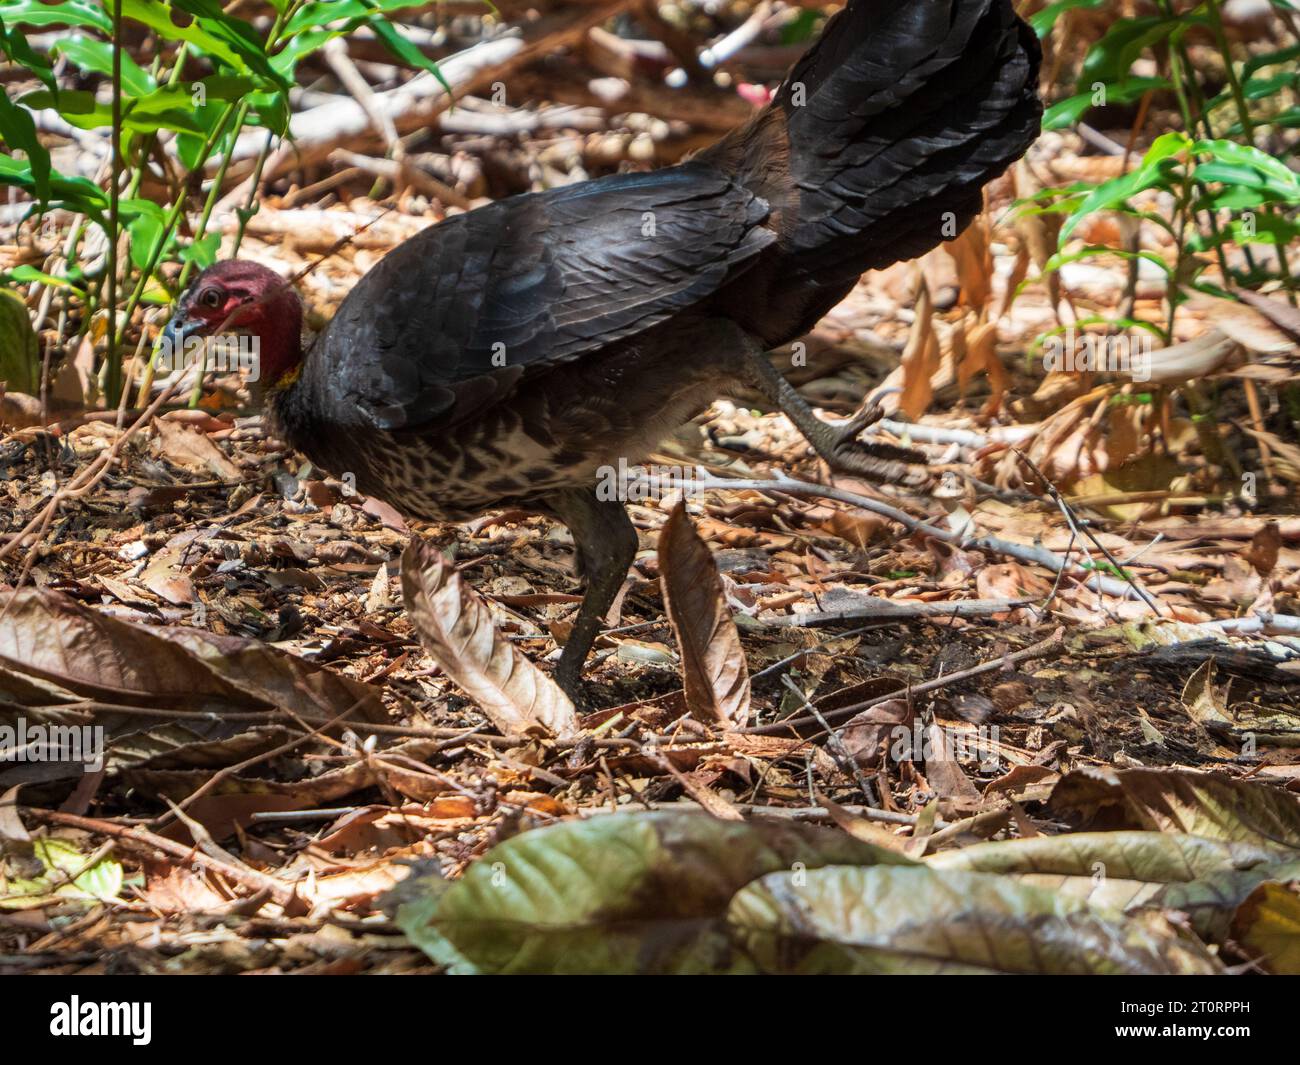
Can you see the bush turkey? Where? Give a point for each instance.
(502, 357)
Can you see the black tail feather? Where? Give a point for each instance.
(893, 122)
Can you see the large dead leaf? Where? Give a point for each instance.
(1180, 800)
(613, 894)
(714, 673)
(912, 919)
(1268, 924)
(50, 637)
(1155, 856)
(457, 630)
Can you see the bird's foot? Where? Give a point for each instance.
(577, 689)
(838, 444)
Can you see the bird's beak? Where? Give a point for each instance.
(180, 327)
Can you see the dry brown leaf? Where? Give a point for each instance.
(714, 673)
(1010, 580)
(970, 251)
(456, 628)
(192, 450)
(865, 732)
(1264, 547)
(981, 355)
(1187, 361)
(1249, 327)
(163, 577)
(12, 830)
(921, 358)
(943, 770)
(1277, 311)
(46, 635)
(859, 827)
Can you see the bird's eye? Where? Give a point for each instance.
(210, 298)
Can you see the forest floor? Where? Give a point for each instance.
(1075, 618)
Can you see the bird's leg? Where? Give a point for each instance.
(836, 442)
(606, 544)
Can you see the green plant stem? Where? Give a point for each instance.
(214, 194)
(169, 227)
(1247, 123)
(240, 114)
(1180, 65)
(177, 209)
(247, 210)
(113, 359)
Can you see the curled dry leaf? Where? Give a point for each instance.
(911, 919)
(193, 450)
(713, 662)
(1277, 311)
(1181, 800)
(456, 628)
(1010, 581)
(1268, 925)
(1187, 361)
(970, 251)
(920, 360)
(1264, 547)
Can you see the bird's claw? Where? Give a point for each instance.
(572, 684)
(876, 461)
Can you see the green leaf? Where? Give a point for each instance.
(102, 882)
(1112, 57)
(319, 15)
(1151, 174)
(18, 130)
(1268, 59)
(614, 893)
(403, 49)
(20, 349)
(316, 23)
(272, 111)
(144, 230)
(1071, 109)
(1043, 21)
(228, 39)
(1094, 251)
(76, 193)
(1272, 229)
(85, 13)
(1243, 164)
(77, 106)
(25, 274)
(96, 56)
(203, 252)
(15, 46)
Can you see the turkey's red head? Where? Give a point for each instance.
(248, 298)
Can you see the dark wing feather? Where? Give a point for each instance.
(457, 316)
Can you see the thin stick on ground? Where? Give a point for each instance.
(1038, 650)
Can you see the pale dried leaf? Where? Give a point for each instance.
(714, 673)
(456, 628)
